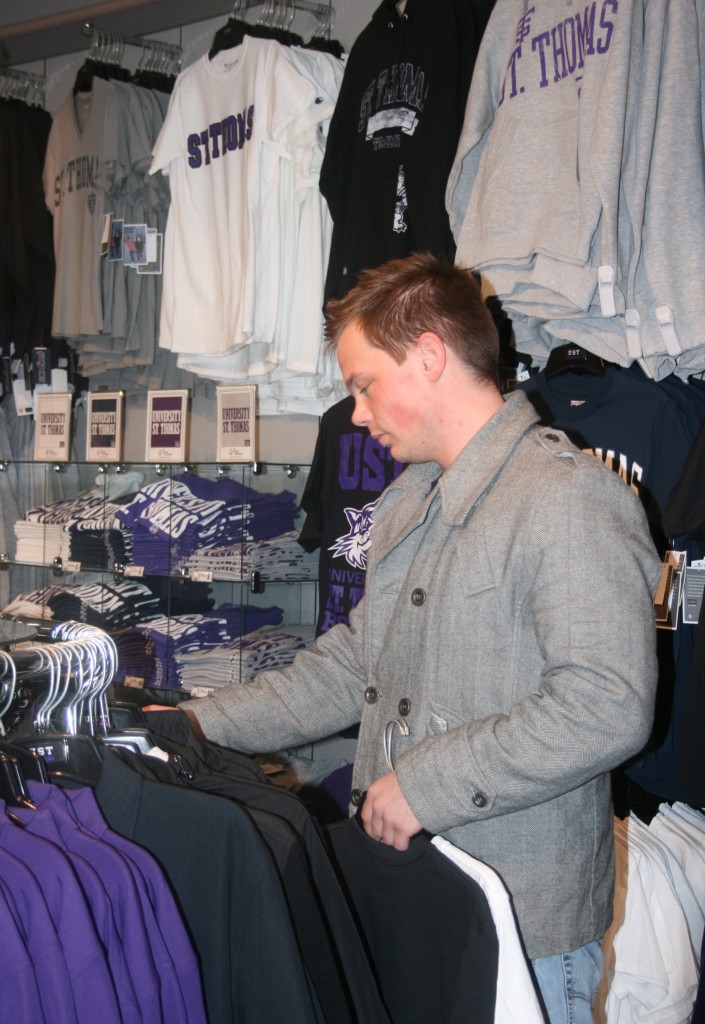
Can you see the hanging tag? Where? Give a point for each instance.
(59, 380)
(605, 284)
(105, 240)
(41, 369)
(6, 375)
(633, 332)
(153, 265)
(151, 245)
(23, 398)
(693, 592)
(666, 322)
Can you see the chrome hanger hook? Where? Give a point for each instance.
(8, 681)
(396, 723)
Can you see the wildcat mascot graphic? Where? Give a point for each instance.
(353, 546)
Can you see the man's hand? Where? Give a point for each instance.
(386, 815)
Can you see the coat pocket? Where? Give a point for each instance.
(437, 724)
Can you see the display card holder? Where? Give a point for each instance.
(104, 436)
(667, 599)
(236, 423)
(167, 426)
(52, 427)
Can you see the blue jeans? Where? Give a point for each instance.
(568, 983)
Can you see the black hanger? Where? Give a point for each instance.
(321, 40)
(103, 61)
(29, 762)
(157, 80)
(13, 785)
(125, 714)
(324, 45)
(89, 70)
(14, 103)
(74, 757)
(288, 38)
(156, 68)
(229, 35)
(92, 68)
(42, 731)
(234, 31)
(570, 358)
(67, 720)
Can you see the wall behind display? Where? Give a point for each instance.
(282, 438)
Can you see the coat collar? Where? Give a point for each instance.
(465, 481)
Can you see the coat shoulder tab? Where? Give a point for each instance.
(555, 442)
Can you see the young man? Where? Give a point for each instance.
(502, 660)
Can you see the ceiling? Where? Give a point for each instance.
(50, 32)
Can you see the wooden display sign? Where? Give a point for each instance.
(104, 438)
(236, 424)
(167, 426)
(52, 426)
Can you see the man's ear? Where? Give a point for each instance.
(432, 353)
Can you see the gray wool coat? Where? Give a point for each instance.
(502, 659)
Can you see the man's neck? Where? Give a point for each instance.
(460, 421)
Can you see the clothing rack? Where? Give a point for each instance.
(282, 13)
(77, 663)
(22, 85)
(108, 46)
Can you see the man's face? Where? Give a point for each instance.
(389, 397)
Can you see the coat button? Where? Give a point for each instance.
(356, 797)
(480, 800)
(404, 706)
(418, 596)
(371, 694)
(552, 437)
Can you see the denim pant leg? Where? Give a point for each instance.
(568, 983)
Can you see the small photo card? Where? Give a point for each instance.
(104, 438)
(52, 427)
(115, 241)
(154, 254)
(134, 245)
(236, 423)
(167, 424)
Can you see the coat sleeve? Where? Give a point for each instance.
(319, 694)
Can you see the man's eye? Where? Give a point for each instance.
(362, 391)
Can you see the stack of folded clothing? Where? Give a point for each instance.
(279, 558)
(148, 652)
(83, 529)
(242, 659)
(97, 546)
(170, 519)
(107, 605)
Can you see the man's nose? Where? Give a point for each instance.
(361, 412)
